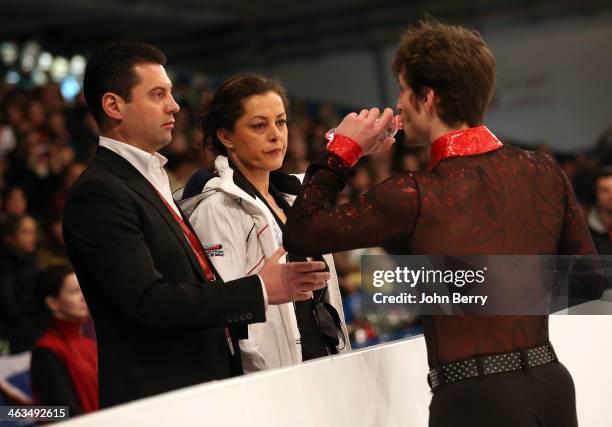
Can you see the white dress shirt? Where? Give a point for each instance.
(151, 166)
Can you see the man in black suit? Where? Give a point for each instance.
(164, 318)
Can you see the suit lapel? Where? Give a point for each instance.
(140, 185)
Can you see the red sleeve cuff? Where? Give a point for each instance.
(346, 148)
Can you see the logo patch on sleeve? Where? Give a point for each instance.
(214, 250)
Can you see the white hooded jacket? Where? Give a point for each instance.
(238, 232)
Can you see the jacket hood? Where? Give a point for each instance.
(188, 197)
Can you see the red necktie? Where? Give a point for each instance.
(198, 250)
(195, 244)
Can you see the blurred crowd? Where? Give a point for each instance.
(45, 144)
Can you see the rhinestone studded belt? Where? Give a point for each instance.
(491, 364)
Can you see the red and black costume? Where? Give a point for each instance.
(478, 197)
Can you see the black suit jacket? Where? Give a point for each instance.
(160, 325)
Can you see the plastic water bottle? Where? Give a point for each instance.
(389, 132)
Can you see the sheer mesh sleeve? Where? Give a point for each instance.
(316, 226)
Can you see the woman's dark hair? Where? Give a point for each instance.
(222, 109)
(49, 283)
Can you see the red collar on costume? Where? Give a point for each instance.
(464, 142)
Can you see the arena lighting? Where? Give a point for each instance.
(39, 77)
(77, 65)
(29, 55)
(59, 68)
(44, 61)
(70, 88)
(13, 77)
(8, 51)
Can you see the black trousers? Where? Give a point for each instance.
(539, 397)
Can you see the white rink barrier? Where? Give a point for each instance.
(381, 386)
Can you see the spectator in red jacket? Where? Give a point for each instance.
(64, 362)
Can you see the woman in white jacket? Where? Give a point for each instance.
(239, 215)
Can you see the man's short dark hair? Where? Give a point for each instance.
(454, 61)
(111, 69)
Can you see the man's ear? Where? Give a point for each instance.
(112, 104)
(429, 97)
(224, 137)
